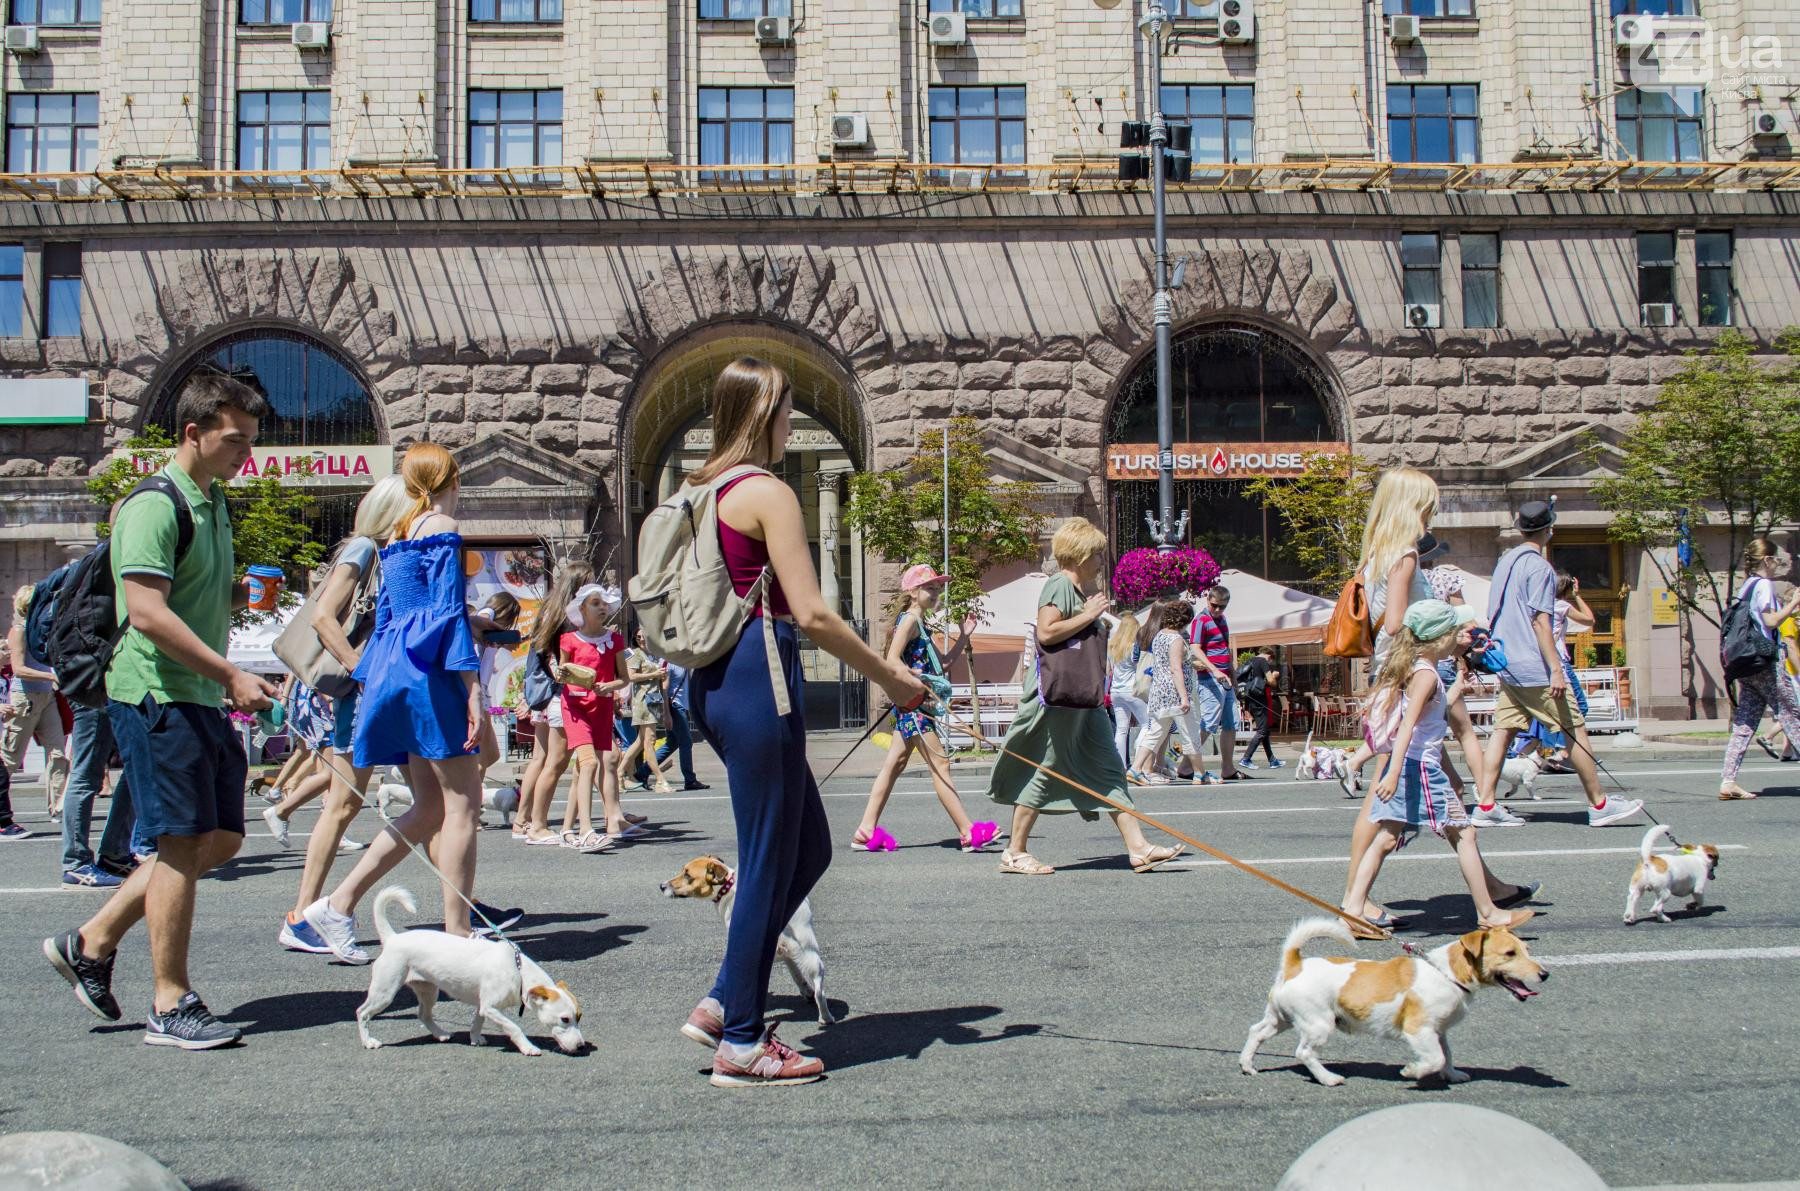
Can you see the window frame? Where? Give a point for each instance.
(1412, 118)
(1396, 8)
(999, 120)
(1492, 272)
(936, 7)
(55, 273)
(723, 9)
(1670, 265)
(75, 127)
(538, 126)
(1435, 271)
(307, 7)
(499, 18)
(743, 170)
(1635, 8)
(16, 17)
(1633, 147)
(1704, 270)
(1226, 119)
(16, 280)
(306, 125)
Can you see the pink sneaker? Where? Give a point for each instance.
(770, 1063)
(980, 836)
(704, 1026)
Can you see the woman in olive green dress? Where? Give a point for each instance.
(1073, 741)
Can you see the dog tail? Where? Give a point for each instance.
(1650, 841)
(393, 893)
(1304, 932)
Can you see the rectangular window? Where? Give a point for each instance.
(744, 10)
(282, 12)
(1429, 8)
(978, 125)
(1481, 279)
(1434, 122)
(284, 130)
(1421, 279)
(747, 126)
(981, 8)
(1653, 8)
(52, 133)
(55, 12)
(507, 12)
(1656, 273)
(1662, 125)
(62, 290)
(514, 130)
(1712, 266)
(1223, 117)
(12, 289)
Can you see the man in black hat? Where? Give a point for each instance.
(1533, 685)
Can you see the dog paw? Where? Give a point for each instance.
(1630, 921)
(1455, 1075)
(477, 1040)
(371, 1044)
(1332, 1080)
(1664, 918)
(531, 1052)
(443, 1036)
(1247, 1069)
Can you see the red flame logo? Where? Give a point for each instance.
(1218, 462)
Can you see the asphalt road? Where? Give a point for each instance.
(1075, 1030)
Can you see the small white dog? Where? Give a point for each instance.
(394, 793)
(1521, 773)
(1414, 998)
(710, 877)
(1321, 763)
(491, 975)
(1681, 874)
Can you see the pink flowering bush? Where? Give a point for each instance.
(1145, 575)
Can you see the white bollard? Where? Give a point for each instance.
(1446, 1147)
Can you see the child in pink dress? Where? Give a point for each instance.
(588, 717)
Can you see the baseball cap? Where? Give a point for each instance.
(1431, 619)
(921, 575)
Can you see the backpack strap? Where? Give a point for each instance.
(759, 591)
(184, 516)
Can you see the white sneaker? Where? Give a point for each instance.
(1495, 816)
(1615, 809)
(278, 828)
(338, 931)
(349, 845)
(1349, 783)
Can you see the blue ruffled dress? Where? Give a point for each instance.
(414, 701)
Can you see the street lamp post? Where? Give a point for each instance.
(1166, 532)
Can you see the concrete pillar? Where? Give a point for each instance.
(829, 480)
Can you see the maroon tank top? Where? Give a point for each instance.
(745, 558)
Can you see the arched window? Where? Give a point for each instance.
(1229, 383)
(317, 398)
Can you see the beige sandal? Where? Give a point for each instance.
(1513, 921)
(1024, 864)
(1734, 793)
(1155, 858)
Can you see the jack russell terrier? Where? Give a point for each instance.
(1321, 762)
(1682, 874)
(1521, 773)
(491, 975)
(710, 877)
(1414, 998)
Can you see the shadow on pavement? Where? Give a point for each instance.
(572, 946)
(296, 1011)
(1446, 914)
(877, 1037)
(1390, 1073)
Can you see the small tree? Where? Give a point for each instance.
(1720, 447)
(1324, 509)
(992, 522)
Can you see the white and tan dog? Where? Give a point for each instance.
(1680, 874)
(1320, 762)
(712, 878)
(1521, 773)
(1413, 998)
(493, 976)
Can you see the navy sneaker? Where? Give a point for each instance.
(13, 832)
(118, 868)
(93, 877)
(500, 919)
(190, 1026)
(300, 936)
(90, 978)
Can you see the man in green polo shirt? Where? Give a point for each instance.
(166, 690)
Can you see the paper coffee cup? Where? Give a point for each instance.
(265, 587)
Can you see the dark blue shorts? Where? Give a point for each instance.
(185, 764)
(344, 721)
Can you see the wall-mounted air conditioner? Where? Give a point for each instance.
(1766, 125)
(1634, 32)
(1237, 22)
(22, 39)
(948, 29)
(312, 35)
(1424, 314)
(850, 130)
(774, 30)
(1403, 28)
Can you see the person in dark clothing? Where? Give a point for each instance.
(1256, 680)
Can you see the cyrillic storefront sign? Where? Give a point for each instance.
(328, 465)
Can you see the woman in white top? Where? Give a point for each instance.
(1763, 561)
(1127, 709)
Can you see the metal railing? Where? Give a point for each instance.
(644, 178)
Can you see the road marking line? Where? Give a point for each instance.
(52, 889)
(1444, 855)
(1668, 957)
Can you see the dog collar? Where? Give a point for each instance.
(1418, 952)
(725, 887)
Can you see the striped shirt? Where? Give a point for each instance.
(1212, 634)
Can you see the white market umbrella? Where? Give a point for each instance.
(252, 647)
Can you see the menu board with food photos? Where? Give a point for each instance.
(523, 573)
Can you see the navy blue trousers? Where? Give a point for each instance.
(784, 843)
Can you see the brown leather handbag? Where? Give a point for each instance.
(1349, 634)
(1072, 673)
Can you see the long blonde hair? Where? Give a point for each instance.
(746, 398)
(22, 600)
(1124, 639)
(381, 508)
(1405, 501)
(548, 629)
(426, 471)
(1403, 655)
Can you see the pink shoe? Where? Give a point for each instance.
(704, 1026)
(880, 840)
(981, 835)
(770, 1063)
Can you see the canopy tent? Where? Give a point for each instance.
(1265, 613)
(252, 646)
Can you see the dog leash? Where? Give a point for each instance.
(1369, 929)
(867, 732)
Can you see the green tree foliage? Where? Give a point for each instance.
(1324, 509)
(992, 522)
(1721, 448)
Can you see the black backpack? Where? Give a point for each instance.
(43, 610)
(1745, 646)
(80, 642)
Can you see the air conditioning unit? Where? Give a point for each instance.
(850, 131)
(1634, 32)
(1403, 28)
(1424, 314)
(22, 39)
(1237, 22)
(1762, 125)
(312, 35)
(1657, 314)
(949, 28)
(774, 30)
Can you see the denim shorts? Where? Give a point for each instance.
(343, 721)
(185, 764)
(1217, 707)
(1423, 799)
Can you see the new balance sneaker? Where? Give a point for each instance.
(190, 1026)
(705, 1025)
(92, 877)
(1495, 816)
(90, 978)
(770, 1062)
(1613, 810)
(297, 934)
(337, 930)
(12, 832)
(278, 827)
